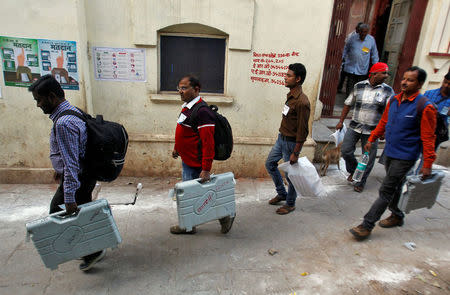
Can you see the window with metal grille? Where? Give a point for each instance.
(202, 57)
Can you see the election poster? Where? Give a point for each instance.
(20, 61)
(59, 58)
(26, 60)
(119, 64)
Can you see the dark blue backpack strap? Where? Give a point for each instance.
(193, 117)
(422, 104)
(68, 112)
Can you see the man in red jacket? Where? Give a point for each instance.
(407, 135)
(194, 141)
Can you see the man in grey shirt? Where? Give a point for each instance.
(367, 101)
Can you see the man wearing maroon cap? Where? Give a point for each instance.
(367, 101)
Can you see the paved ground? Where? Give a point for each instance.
(316, 253)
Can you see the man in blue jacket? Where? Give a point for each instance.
(407, 135)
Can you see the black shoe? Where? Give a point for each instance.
(176, 230)
(92, 259)
(226, 223)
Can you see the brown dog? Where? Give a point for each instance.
(330, 156)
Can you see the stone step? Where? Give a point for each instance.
(323, 128)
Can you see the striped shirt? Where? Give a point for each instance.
(368, 105)
(67, 146)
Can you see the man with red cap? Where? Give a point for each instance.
(367, 101)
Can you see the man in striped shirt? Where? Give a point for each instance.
(194, 140)
(367, 101)
(67, 148)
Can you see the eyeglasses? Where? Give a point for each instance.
(183, 88)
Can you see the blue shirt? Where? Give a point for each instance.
(67, 146)
(444, 102)
(359, 54)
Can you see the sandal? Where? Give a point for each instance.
(358, 189)
(276, 200)
(350, 178)
(285, 209)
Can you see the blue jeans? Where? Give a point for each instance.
(281, 149)
(189, 172)
(348, 153)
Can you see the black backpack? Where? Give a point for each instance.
(106, 146)
(223, 135)
(441, 130)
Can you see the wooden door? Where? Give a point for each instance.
(336, 40)
(395, 35)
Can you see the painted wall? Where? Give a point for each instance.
(434, 38)
(24, 130)
(253, 108)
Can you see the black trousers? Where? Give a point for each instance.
(83, 194)
(352, 79)
(390, 191)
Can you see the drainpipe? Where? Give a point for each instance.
(84, 56)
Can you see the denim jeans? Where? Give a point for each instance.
(389, 192)
(348, 153)
(189, 172)
(281, 149)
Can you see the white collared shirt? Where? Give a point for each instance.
(191, 103)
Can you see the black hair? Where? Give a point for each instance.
(193, 81)
(363, 26)
(299, 71)
(358, 25)
(447, 77)
(422, 75)
(46, 84)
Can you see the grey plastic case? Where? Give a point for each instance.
(60, 238)
(199, 203)
(420, 194)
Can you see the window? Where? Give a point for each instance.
(203, 57)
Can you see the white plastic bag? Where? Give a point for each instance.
(338, 135)
(304, 178)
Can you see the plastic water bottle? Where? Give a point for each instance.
(362, 164)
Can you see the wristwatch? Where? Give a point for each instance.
(296, 154)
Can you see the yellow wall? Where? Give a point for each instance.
(433, 36)
(253, 109)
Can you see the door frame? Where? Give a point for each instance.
(408, 52)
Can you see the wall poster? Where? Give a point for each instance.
(119, 64)
(59, 58)
(20, 61)
(25, 60)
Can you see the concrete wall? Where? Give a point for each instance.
(253, 108)
(434, 38)
(24, 130)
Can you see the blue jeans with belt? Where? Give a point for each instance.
(283, 148)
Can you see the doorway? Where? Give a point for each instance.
(395, 25)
